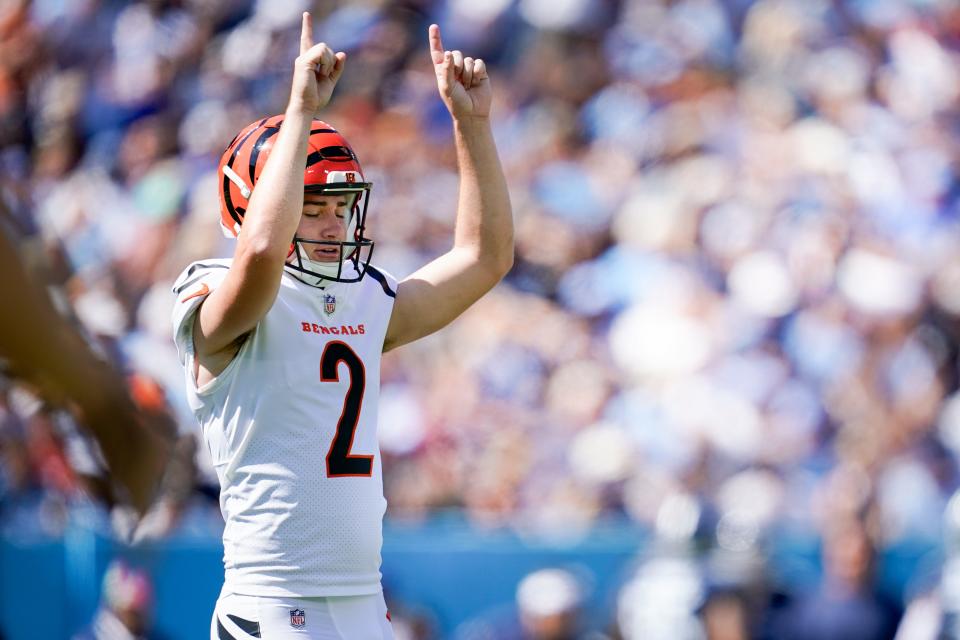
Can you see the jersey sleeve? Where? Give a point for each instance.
(385, 280)
(192, 287)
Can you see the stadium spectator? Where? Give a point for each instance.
(125, 607)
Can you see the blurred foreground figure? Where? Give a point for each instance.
(42, 348)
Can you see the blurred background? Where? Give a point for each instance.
(716, 398)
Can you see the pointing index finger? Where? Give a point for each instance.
(436, 45)
(306, 33)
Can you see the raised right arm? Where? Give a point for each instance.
(250, 287)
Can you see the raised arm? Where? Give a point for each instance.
(252, 283)
(482, 250)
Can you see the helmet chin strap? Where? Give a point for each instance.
(327, 271)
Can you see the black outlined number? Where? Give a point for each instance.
(340, 463)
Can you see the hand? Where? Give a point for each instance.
(136, 440)
(463, 82)
(315, 73)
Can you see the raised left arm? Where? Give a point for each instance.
(482, 252)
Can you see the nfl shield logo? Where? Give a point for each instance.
(329, 303)
(297, 618)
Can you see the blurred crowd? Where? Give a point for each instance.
(733, 318)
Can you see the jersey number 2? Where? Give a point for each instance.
(340, 463)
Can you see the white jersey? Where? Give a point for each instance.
(291, 425)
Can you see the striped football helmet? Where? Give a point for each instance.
(332, 167)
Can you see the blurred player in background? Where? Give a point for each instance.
(126, 605)
(281, 348)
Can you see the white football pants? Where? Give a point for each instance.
(238, 617)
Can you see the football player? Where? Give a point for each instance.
(281, 348)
